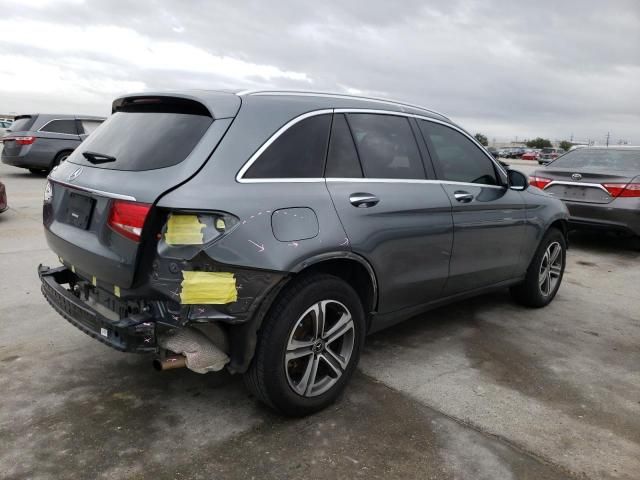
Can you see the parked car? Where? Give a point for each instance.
(494, 151)
(3, 198)
(514, 152)
(549, 154)
(208, 230)
(40, 141)
(599, 185)
(530, 154)
(4, 126)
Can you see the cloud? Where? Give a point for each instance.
(505, 68)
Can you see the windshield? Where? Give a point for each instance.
(143, 140)
(601, 159)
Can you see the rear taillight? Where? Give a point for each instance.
(127, 218)
(617, 190)
(23, 140)
(539, 182)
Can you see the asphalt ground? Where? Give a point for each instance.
(482, 389)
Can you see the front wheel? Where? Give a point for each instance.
(309, 346)
(545, 272)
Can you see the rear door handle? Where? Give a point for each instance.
(464, 197)
(363, 200)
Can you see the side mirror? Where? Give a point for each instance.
(517, 180)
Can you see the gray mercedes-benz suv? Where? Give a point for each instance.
(41, 141)
(268, 232)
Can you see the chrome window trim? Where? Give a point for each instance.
(58, 133)
(102, 193)
(290, 123)
(579, 184)
(402, 180)
(344, 96)
(429, 119)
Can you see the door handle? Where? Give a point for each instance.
(464, 197)
(363, 200)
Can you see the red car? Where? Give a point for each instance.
(530, 155)
(3, 198)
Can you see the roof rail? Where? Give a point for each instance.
(339, 95)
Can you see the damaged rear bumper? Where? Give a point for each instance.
(135, 333)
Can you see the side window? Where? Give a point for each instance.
(342, 159)
(298, 153)
(61, 126)
(90, 125)
(457, 158)
(386, 146)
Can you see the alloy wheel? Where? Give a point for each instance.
(550, 269)
(319, 348)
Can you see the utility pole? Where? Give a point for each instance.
(608, 139)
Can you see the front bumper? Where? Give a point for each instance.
(135, 333)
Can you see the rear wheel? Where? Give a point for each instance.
(308, 347)
(545, 272)
(37, 171)
(60, 157)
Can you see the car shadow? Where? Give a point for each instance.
(605, 242)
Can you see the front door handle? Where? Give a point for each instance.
(363, 200)
(464, 197)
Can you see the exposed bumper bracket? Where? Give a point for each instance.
(135, 333)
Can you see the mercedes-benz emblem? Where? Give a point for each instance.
(75, 174)
(576, 176)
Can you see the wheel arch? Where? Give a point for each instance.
(58, 154)
(348, 266)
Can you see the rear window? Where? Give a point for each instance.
(22, 124)
(601, 159)
(144, 140)
(67, 127)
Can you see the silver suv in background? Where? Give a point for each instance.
(39, 141)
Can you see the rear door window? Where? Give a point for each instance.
(457, 158)
(386, 146)
(298, 153)
(144, 140)
(342, 159)
(22, 124)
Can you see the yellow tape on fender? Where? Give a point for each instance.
(208, 288)
(184, 230)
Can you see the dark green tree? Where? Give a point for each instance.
(539, 143)
(482, 139)
(565, 145)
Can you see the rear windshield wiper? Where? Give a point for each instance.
(95, 158)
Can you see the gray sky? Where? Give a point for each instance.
(505, 68)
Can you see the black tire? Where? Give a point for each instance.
(269, 377)
(37, 171)
(530, 292)
(60, 157)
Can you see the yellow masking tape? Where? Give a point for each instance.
(208, 288)
(184, 230)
